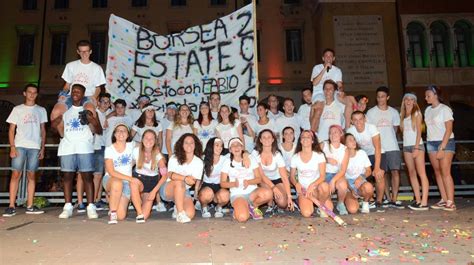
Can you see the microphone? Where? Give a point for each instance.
(327, 69)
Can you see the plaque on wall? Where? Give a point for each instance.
(360, 51)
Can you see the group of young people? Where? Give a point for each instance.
(243, 158)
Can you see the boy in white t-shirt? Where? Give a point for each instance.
(27, 136)
(84, 72)
(248, 122)
(215, 103)
(304, 111)
(387, 121)
(333, 111)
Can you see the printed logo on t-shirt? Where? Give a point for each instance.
(354, 170)
(30, 118)
(383, 123)
(205, 133)
(81, 78)
(328, 115)
(74, 125)
(306, 173)
(123, 160)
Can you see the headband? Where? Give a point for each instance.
(149, 107)
(410, 95)
(235, 140)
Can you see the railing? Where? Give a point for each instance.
(57, 197)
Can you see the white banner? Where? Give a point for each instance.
(184, 67)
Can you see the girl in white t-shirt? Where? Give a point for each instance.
(273, 170)
(185, 169)
(264, 122)
(205, 126)
(288, 146)
(149, 167)
(411, 122)
(440, 146)
(309, 164)
(228, 127)
(118, 176)
(337, 157)
(358, 169)
(147, 121)
(242, 181)
(211, 190)
(182, 124)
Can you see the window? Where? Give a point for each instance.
(441, 53)
(139, 3)
(58, 49)
(61, 4)
(291, 2)
(26, 49)
(417, 53)
(218, 2)
(98, 47)
(294, 46)
(464, 44)
(30, 4)
(178, 2)
(99, 3)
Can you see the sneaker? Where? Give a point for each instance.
(218, 213)
(113, 218)
(386, 203)
(322, 214)
(270, 211)
(372, 205)
(101, 206)
(341, 208)
(365, 207)
(160, 207)
(140, 219)
(81, 208)
(205, 212)
(255, 213)
(439, 205)
(67, 211)
(379, 207)
(197, 206)
(182, 218)
(9, 212)
(174, 215)
(91, 211)
(396, 205)
(33, 210)
(450, 206)
(418, 207)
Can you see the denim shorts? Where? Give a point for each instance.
(352, 186)
(28, 156)
(409, 149)
(99, 161)
(125, 187)
(163, 192)
(433, 146)
(330, 176)
(77, 162)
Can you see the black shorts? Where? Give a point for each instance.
(149, 182)
(383, 162)
(214, 187)
(277, 181)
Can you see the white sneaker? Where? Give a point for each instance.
(92, 211)
(205, 212)
(197, 206)
(160, 207)
(218, 213)
(182, 218)
(365, 207)
(113, 218)
(67, 211)
(173, 215)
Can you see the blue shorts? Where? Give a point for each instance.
(410, 148)
(125, 187)
(352, 184)
(28, 156)
(330, 176)
(163, 192)
(433, 146)
(77, 163)
(99, 161)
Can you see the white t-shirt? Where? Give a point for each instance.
(293, 121)
(335, 74)
(357, 165)
(249, 141)
(287, 155)
(227, 132)
(307, 172)
(78, 138)
(271, 171)
(240, 173)
(215, 115)
(274, 116)
(89, 75)
(435, 119)
(215, 177)
(364, 138)
(99, 139)
(337, 154)
(271, 125)
(385, 120)
(332, 114)
(123, 161)
(177, 132)
(28, 120)
(146, 169)
(303, 113)
(409, 133)
(165, 124)
(112, 122)
(138, 136)
(205, 132)
(193, 169)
